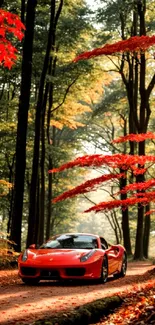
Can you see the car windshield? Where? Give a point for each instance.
(73, 241)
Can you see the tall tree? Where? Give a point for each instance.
(59, 79)
(133, 72)
(1, 3)
(124, 162)
(54, 17)
(24, 102)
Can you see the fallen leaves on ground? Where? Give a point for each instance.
(9, 277)
(22, 304)
(138, 307)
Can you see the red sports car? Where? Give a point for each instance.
(72, 256)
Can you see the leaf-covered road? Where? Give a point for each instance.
(21, 304)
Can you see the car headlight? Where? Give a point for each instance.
(84, 258)
(24, 256)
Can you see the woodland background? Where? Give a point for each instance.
(53, 110)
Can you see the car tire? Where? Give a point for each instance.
(104, 270)
(122, 273)
(31, 281)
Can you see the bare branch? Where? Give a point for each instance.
(150, 86)
(65, 95)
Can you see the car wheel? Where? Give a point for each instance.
(31, 281)
(124, 266)
(104, 270)
(122, 273)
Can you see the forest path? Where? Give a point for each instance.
(23, 304)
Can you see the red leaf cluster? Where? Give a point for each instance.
(115, 161)
(138, 186)
(122, 161)
(142, 198)
(135, 163)
(150, 196)
(149, 212)
(87, 186)
(9, 23)
(133, 44)
(138, 171)
(135, 137)
(119, 203)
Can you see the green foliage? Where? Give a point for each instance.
(92, 88)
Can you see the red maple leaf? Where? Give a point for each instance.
(135, 137)
(9, 23)
(133, 44)
(87, 186)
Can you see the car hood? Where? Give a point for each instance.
(54, 256)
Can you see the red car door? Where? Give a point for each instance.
(113, 260)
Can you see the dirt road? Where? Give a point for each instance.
(22, 304)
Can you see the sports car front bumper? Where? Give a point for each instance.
(86, 270)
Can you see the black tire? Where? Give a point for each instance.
(104, 270)
(122, 273)
(31, 281)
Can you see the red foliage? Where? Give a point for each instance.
(150, 196)
(149, 212)
(122, 161)
(87, 186)
(9, 23)
(135, 137)
(135, 163)
(133, 44)
(138, 186)
(137, 170)
(119, 203)
(115, 161)
(83, 161)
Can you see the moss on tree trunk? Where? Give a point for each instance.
(86, 314)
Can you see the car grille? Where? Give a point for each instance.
(28, 270)
(49, 274)
(75, 271)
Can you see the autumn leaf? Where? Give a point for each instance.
(9, 23)
(133, 44)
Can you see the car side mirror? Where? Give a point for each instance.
(32, 246)
(111, 248)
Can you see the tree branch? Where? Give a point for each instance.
(150, 87)
(65, 95)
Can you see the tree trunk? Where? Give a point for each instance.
(49, 204)
(11, 203)
(146, 237)
(1, 3)
(139, 232)
(139, 111)
(37, 211)
(23, 11)
(33, 189)
(51, 40)
(10, 196)
(42, 171)
(125, 218)
(20, 164)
